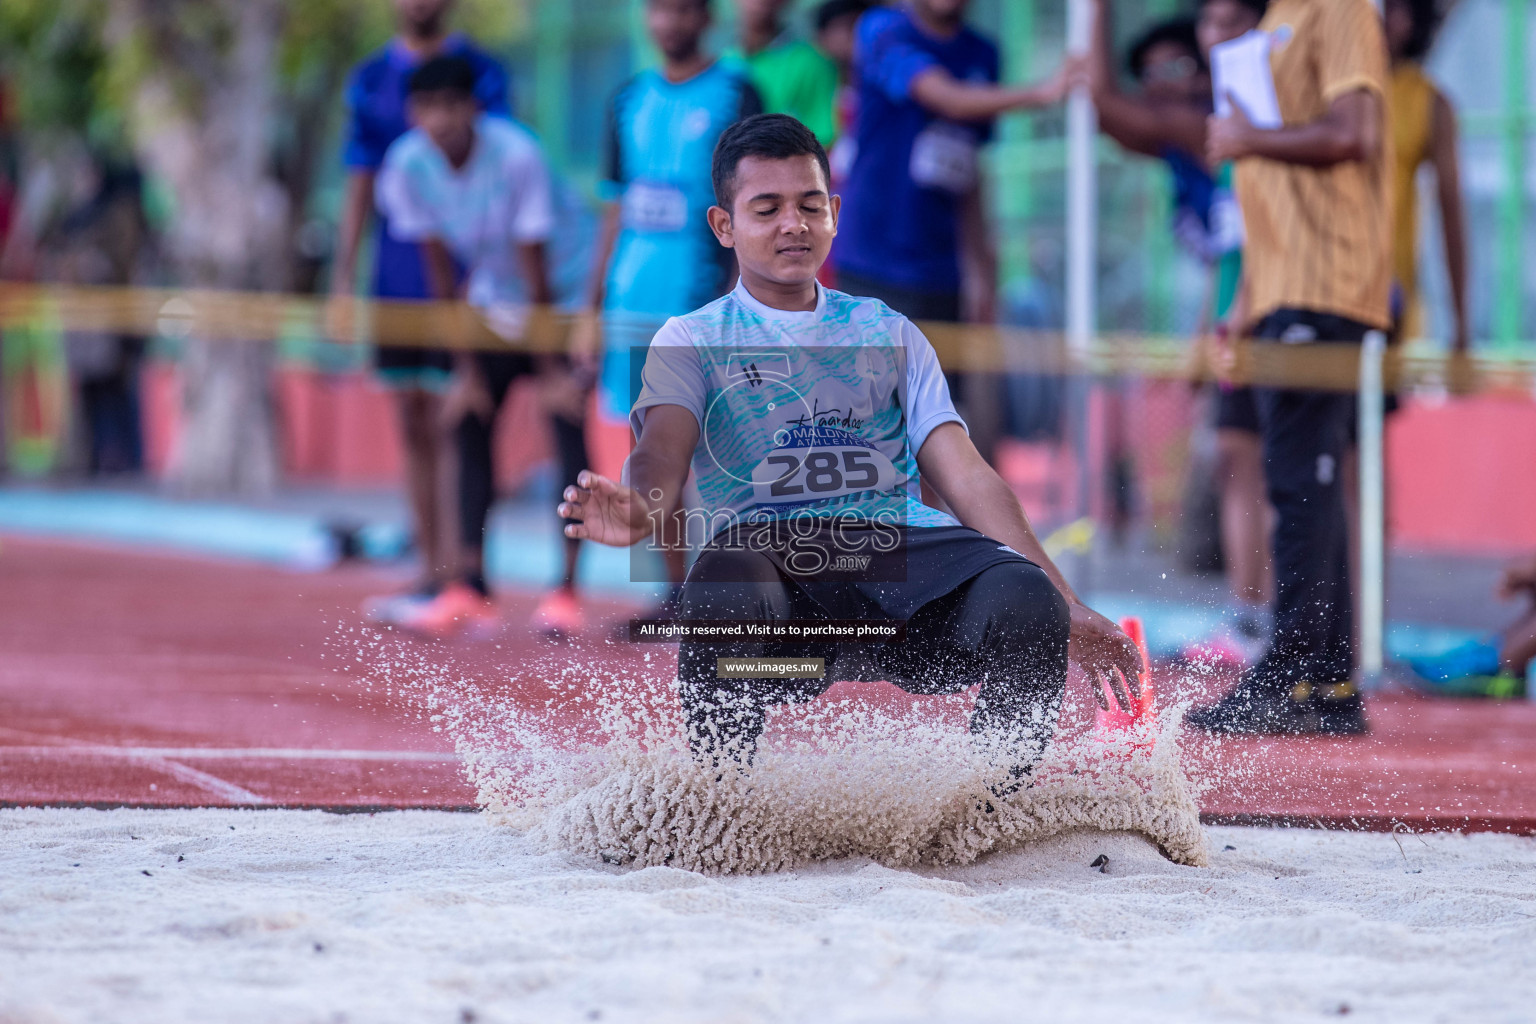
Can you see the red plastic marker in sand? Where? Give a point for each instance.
(1143, 717)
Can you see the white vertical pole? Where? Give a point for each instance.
(1373, 512)
(1082, 196)
(1372, 509)
(1082, 190)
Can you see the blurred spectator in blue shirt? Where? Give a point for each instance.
(913, 233)
(376, 117)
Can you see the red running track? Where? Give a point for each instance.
(153, 680)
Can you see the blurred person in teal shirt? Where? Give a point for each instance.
(656, 256)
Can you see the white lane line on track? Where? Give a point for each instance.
(212, 783)
(154, 758)
(168, 760)
(233, 753)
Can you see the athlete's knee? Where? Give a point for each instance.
(734, 584)
(1023, 656)
(1040, 604)
(1015, 606)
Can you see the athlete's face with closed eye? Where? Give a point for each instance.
(782, 219)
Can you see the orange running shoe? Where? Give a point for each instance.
(559, 614)
(458, 608)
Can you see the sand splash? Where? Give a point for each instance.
(589, 759)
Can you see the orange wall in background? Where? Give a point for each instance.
(1461, 472)
(341, 429)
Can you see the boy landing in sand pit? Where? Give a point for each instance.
(810, 419)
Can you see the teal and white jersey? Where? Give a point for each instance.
(661, 135)
(819, 413)
(666, 261)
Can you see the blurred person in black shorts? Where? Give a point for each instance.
(473, 191)
(107, 242)
(418, 377)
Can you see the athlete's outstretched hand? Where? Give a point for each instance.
(1105, 654)
(606, 511)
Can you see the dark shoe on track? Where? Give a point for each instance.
(1339, 710)
(1252, 709)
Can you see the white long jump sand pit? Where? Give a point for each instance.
(226, 915)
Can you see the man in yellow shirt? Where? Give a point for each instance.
(1316, 264)
(1423, 126)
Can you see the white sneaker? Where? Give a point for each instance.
(394, 609)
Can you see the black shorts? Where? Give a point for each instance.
(501, 370)
(975, 612)
(410, 367)
(917, 565)
(1235, 409)
(916, 663)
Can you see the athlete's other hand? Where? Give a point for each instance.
(605, 511)
(1105, 654)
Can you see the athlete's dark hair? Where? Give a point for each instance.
(443, 74)
(706, 4)
(1177, 31)
(1426, 22)
(772, 136)
(1258, 7)
(832, 10)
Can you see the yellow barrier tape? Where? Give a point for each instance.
(967, 348)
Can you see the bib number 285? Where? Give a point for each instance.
(808, 474)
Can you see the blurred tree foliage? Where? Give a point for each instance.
(64, 76)
(67, 78)
(55, 64)
(227, 106)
